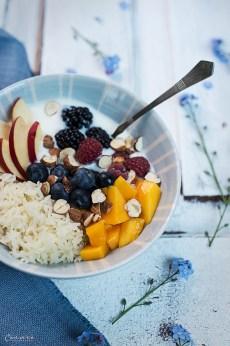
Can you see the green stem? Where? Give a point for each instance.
(205, 150)
(92, 44)
(218, 227)
(140, 300)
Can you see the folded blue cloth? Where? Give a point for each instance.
(33, 311)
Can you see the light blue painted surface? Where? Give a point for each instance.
(201, 304)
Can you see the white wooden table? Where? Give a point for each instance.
(158, 41)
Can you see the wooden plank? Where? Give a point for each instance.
(112, 31)
(193, 218)
(191, 36)
(206, 293)
(23, 20)
(3, 7)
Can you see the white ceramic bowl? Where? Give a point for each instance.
(116, 103)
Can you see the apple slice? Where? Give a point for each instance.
(4, 129)
(6, 161)
(34, 141)
(18, 145)
(20, 109)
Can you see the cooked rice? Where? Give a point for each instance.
(30, 228)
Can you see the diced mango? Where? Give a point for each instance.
(93, 253)
(130, 230)
(117, 214)
(126, 189)
(96, 233)
(148, 194)
(113, 234)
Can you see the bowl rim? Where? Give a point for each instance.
(40, 272)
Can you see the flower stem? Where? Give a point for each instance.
(205, 150)
(140, 300)
(218, 227)
(224, 198)
(92, 44)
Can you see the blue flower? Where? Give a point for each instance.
(111, 63)
(179, 334)
(91, 339)
(187, 99)
(218, 50)
(184, 267)
(124, 5)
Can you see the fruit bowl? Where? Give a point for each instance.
(115, 104)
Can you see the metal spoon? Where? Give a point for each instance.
(201, 71)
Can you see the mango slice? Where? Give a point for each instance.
(148, 194)
(126, 189)
(96, 233)
(130, 230)
(93, 253)
(113, 234)
(117, 214)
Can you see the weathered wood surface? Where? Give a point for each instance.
(201, 304)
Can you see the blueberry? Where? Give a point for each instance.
(84, 179)
(81, 198)
(57, 191)
(60, 171)
(37, 172)
(105, 179)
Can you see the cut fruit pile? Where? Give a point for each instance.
(117, 227)
(103, 184)
(20, 141)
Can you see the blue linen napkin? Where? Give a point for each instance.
(32, 310)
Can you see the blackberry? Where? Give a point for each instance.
(77, 117)
(99, 134)
(69, 138)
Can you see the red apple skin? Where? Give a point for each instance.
(31, 141)
(12, 151)
(2, 161)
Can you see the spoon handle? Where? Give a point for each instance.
(201, 71)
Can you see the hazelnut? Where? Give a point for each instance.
(61, 207)
(45, 188)
(96, 208)
(117, 144)
(67, 184)
(48, 142)
(133, 208)
(75, 214)
(88, 220)
(49, 161)
(54, 151)
(52, 107)
(139, 144)
(52, 179)
(105, 207)
(105, 161)
(118, 159)
(70, 163)
(153, 178)
(98, 196)
(65, 152)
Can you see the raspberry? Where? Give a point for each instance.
(118, 169)
(139, 164)
(89, 149)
